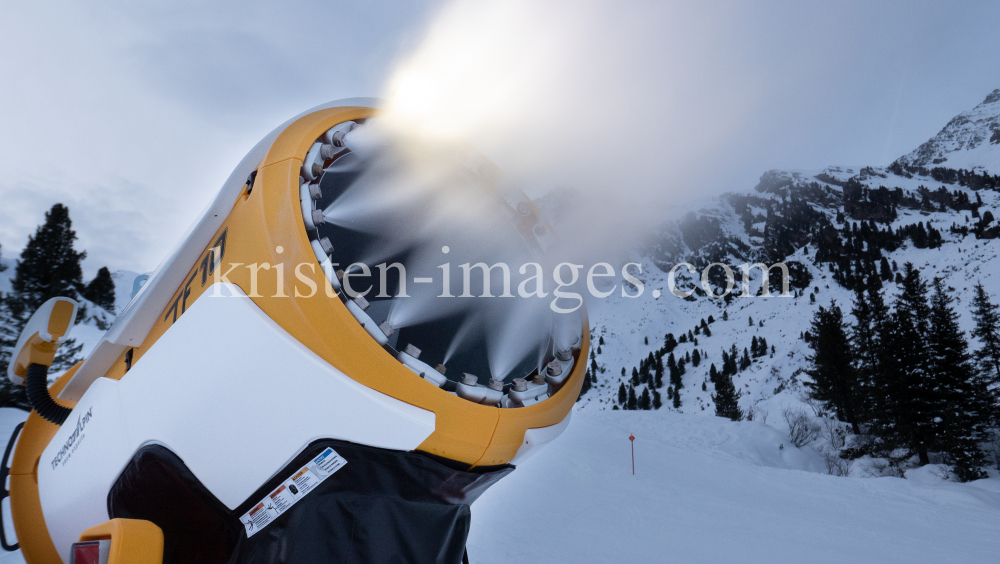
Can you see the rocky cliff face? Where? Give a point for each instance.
(967, 142)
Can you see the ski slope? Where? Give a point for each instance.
(707, 489)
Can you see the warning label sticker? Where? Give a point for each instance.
(292, 490)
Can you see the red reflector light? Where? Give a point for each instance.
(90, 552)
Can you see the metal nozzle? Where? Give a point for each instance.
(523, 208)
(315, 192)
(539, 379)
(326, 245)
(441, 368)
(470, 379)
(386, 328)
(362, 302)
(495, 384)
(553, 368)
(519, 385)
(317, 217)
(564, 355)
(412, 351)
(317, 170)
(329, 152)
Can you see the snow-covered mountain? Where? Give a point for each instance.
(969, 141)
(799, 217)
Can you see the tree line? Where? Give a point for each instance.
(904, 377)
(662, 368)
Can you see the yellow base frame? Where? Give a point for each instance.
(133, 541)
(25, 505)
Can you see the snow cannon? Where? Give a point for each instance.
(305, 378)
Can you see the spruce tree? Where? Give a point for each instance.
(962, 408)
(871, 316)
(696, 358)
(835, 381)
(905, 396)
(49, 266)
(645, 402)
(657, 401)
(885, 270)
(622, 394)
(669, 342)
(726, 398)
(632, 402)
(745, 362)
(586, 386)
(987, 330)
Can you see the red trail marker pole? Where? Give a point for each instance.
(631, 439)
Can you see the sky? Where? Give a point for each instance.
(133, 114)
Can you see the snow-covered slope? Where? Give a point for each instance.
(710, 490)
(740, 227)
(968, 141)
(625, 323)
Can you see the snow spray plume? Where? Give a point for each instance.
(576, 94)
(434, 205)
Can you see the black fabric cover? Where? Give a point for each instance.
(382, 507)
(158, 487)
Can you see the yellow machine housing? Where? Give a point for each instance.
(265, 225)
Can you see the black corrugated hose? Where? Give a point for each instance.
(37, 384)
